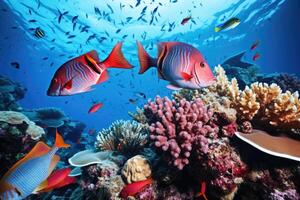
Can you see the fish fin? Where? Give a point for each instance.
(4, 187)
(41, 186)
(69, 84)
(173, 87)
(38, 150)
(116, 58)
(186, 76)
(94, 55)
(66, 181)
(53, 163)
(145, 60)
(103, 77)
(59, 141)
(217, 29)
(88, 89)
(53, 181)
(92, 63)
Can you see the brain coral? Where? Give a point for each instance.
(136, 169)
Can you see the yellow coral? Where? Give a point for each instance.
(284, 111)
(261, 103)
(246, 104)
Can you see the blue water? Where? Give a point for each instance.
(274, 22)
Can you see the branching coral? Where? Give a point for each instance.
(175, 125)
(259, 103)
(126, 137)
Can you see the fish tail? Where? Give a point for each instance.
(59, 141)
(217, 29)
(145, 60)
(116, 58)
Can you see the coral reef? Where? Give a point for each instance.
(174, 126)
(139, 116)
(126, 137)
(47, 117)
(72, 130)
(17, 118)
(101, 181)
(10, 93)
(135, 169)
(261, 104)
(287, 82)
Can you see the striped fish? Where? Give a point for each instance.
(80, 73)
(179, 63)
(39, 33)
(30, 173)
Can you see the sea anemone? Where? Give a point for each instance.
(125, 137)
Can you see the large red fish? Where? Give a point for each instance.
(179, 63)
(80, 73)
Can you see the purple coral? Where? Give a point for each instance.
(175, 126)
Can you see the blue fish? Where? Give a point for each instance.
(29, 174)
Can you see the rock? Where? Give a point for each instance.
(135, 169)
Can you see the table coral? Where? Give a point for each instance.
(135, 169)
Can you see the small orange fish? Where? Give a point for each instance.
(95, 107)
(256, 57)
(185, 20)
(202, 191)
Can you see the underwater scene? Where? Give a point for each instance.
(149, 100)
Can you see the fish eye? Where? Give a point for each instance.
(55, 80)
(202, 64)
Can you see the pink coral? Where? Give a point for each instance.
(174, 127)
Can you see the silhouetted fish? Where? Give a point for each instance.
(237, 61)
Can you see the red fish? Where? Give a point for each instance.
(133, 188)
(185, 20)
(254, 45)
(57, 179)
(202, 191)
(179, 63)
(95, 107)
(256, 57)
(81, 73)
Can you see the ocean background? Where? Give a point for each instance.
(274, 22)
